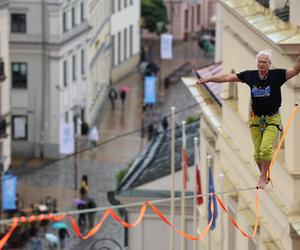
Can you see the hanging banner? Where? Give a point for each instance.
(166, 46)
(67, 142)
(150, 90)
(9, 191)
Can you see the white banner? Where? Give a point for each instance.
(67, 141)
(166, 46)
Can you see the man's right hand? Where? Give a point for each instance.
(202, 81)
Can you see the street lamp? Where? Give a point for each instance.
(159, 29)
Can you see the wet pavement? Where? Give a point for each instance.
(120, 142)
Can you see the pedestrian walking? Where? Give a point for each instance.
(81, 216)
(165, 123)
(35, 242)
(112, 95)
(94, 136)
(123, 94)
(63, 236)
(265, 85)
(91, 215)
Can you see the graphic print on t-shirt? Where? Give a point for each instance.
(261, 91)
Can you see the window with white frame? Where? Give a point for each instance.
(19, 74)
(19, 127)
(131, 40)
(125, 44)
(74, 67)
(65, 73)
(64, 18)
(119, 47)
(73, 17)
(18, 23)
(82, 12)
(82, 62)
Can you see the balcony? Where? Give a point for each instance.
(2, 71)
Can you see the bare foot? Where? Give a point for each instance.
(262, 181)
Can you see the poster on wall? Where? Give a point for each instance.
(67, 140)
(166, 46)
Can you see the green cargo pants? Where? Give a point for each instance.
(263, 134)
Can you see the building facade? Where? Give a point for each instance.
(187, 17)
(48, 48)
(125, 36)
(99, 53)
(247, 27)
(5, 133)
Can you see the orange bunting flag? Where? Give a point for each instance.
(185, 162)
(199, 189)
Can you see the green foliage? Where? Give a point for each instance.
(154, 11)
(191, 118)
(121, 174)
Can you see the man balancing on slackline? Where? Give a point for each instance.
(265, 84)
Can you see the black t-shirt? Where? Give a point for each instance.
(265, 93)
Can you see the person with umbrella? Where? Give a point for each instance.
(123, 94)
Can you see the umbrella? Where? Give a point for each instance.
(51, 237)
(78, 201)
(59, 225)
(124, 88)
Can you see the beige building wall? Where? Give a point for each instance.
(5, 141)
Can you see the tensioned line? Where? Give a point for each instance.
(137, 204)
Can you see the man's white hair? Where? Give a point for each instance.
(267, 53)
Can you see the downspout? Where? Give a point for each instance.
(43, 94)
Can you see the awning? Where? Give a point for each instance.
(215, 89)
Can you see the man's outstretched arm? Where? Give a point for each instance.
(295, 70)
(220, 79)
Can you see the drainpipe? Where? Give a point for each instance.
(43, 94)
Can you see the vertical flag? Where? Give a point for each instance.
(9, 192)
(166, 41)
(150, 89)
(185, 159)
(67, 140)
(211, 189)
(198, 176)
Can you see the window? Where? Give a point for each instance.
(125, 44)
(119, 47)
(19, 75)
(131, 2)
(2, 71)
(198, 13)
(65, 73)
(131, 40)
(74, 67)
(73, 17)
(119, 5)
(125, 3)
(82, 62)
(82, 12)
(19, 127)
(67, 117)
(113, 52)
(186, 22)
(18, 23)
(65, 21)
(112, 6)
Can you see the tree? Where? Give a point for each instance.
(154, 11)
